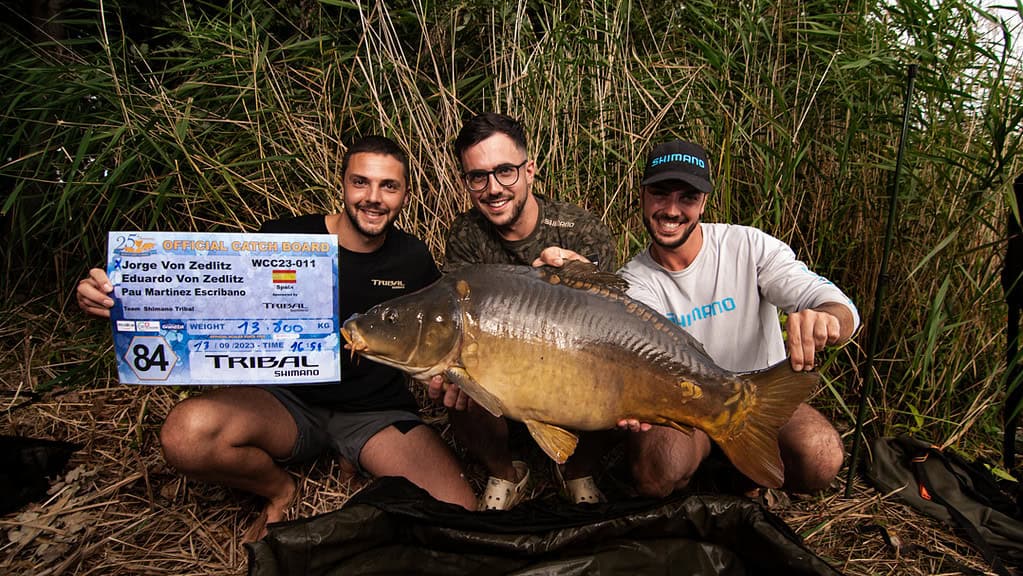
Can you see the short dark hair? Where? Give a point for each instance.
(485, 125)
(376, 145)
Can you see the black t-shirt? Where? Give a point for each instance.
(401, 266)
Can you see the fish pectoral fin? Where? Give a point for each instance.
(684, 428)
(557, 442)
(478, 393)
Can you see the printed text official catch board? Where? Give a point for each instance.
(225, 308)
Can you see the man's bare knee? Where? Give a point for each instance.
(655, 483)
(665, 460)
(188, 435)
(812, 463)
(831, 454)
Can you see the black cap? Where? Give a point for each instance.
(678, 160)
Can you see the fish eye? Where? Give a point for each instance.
(390, 316)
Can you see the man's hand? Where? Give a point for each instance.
(555, 256)
(440, 390)
(92, 293)
(809, 331)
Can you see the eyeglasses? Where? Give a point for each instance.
(505, 174)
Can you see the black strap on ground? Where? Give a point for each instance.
(1012, 284)
(882, 286)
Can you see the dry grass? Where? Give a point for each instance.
(871, 534)
(795, 102)
(119, 510)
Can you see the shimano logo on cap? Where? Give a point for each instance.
(684, 158)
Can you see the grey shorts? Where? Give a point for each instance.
(345, 433)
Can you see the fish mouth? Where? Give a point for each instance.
(353, 341)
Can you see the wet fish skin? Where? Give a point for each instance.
(565, 348)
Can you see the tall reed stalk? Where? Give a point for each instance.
(225, 115)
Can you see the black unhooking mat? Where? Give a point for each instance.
(26, 464)
(393, 527)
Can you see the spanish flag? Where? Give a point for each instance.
(284, 277)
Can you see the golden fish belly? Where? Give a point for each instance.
(589, 387)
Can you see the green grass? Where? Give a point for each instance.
(217, 117)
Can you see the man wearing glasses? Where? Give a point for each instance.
(509, 224)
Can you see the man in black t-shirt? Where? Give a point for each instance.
(241, 436)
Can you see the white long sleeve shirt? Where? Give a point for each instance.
(729, 296)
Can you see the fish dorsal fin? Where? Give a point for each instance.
(584, 276)
(557, 442)
(478, 393)
(682, 342)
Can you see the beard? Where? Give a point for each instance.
(669, 244)
(369, 231)
(511, 218)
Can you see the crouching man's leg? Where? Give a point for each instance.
(397, 443)
(234, 436)
(811, 449)
(485, 438)
(664, 460)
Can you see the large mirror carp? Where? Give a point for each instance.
(565, 349)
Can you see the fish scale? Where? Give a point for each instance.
(664, 345)
(566, 349)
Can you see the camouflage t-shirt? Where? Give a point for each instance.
(472, 239)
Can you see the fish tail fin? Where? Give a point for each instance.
(752, 443)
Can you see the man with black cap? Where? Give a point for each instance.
(724, 284)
